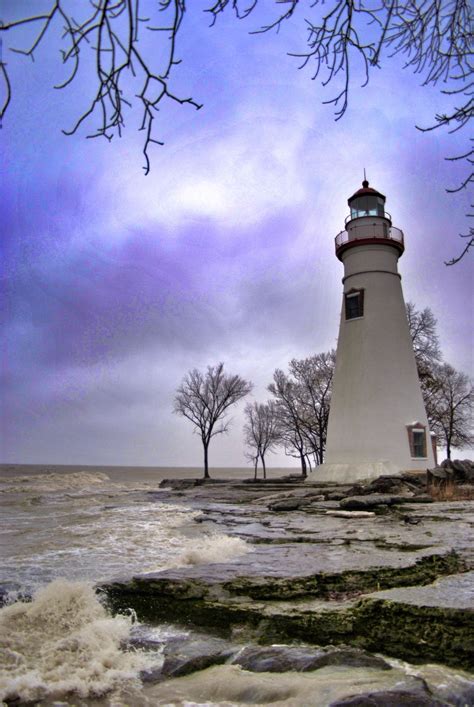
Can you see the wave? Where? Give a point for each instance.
(214, 548)
(65, 642)
(52, 482)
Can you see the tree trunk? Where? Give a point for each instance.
(303, 466)
(263, 465)
(449, 436)
(255, 469)
(323, 426)
(206, 462)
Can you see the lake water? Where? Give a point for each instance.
(64, 529)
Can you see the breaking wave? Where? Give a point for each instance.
(215, 548)
(65, 642)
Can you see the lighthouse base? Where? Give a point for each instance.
(347, 473)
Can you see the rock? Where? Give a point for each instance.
(356, 490)
(360, 503)
(185, 484)
(434, 622)
(336, 495)
(290, 504)
(151, 675)
(354, 657)
(185, 656)
(143, 643)
(416, 479)
(462, 467)
(459, 471)
(277, 659)
(280, 659)
(177, 666)
(178, 484)
(438, 472)
(315, 498)
(390, 698)
(394, 485)
(390, 484)
(351, 514)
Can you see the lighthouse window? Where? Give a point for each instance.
(419, 443)
(417, 440)
(354, 303)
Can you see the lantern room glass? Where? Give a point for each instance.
(367, 205)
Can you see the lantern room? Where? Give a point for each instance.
(367, 202)
(368, 223)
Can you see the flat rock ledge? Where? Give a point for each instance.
(417, 624)
(378, 567)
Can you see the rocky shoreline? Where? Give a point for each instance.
(372, 568)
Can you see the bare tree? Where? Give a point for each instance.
(425, 340)
(261, 432)
(449, 407)
(422, 325)
(291, 417)
(447, 393)
(204, 399)
(434, 36)
(424, 336)
(313, 376)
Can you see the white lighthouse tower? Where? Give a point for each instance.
(377, 420)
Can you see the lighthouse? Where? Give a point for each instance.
(377, 420)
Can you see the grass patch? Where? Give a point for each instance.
(449, 491)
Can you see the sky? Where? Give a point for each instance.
(115, 284)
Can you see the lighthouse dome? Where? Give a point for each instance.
(366, 202)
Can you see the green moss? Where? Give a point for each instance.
(416, 633)
(424, 571)
(411, 632)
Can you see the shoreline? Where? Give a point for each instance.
(320, 577)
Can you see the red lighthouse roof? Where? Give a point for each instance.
(365, 191)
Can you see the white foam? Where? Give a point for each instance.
(214, 548)
(65, 642)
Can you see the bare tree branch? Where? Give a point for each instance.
(111, 32)
(433, 36)
(468, 245)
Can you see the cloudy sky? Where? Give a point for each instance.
(115, 284)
